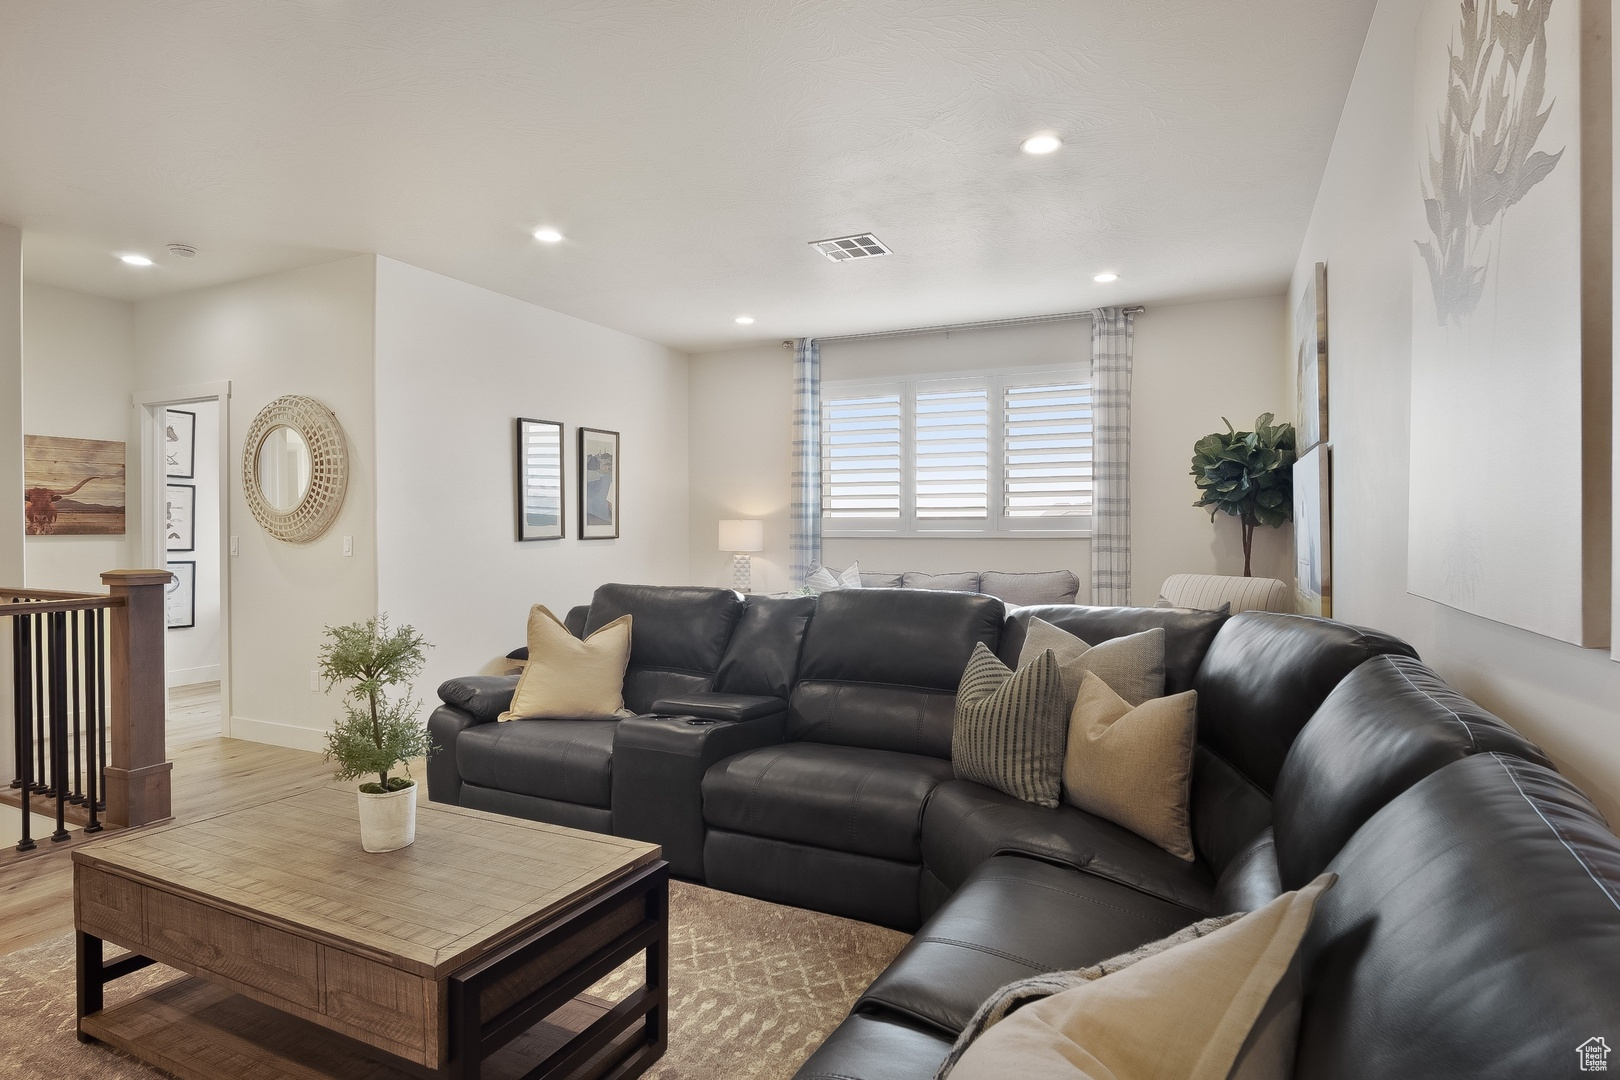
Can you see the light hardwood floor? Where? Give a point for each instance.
(211, 775)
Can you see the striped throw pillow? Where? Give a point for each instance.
(1011, 728)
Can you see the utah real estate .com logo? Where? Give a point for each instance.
(1594, 1053)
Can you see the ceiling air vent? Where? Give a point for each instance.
(845, 248)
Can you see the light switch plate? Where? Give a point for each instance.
(348, 547)
(236, 545)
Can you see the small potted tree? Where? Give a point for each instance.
(1248, 474)
(377, 732)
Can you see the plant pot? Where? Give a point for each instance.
(388, 821)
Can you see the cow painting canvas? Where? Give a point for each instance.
(73, 487)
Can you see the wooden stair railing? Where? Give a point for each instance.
(89, 705)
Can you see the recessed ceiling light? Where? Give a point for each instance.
(745, 320)
(547, 235)
(136, 260)
(1107, 277)
(1043, 143)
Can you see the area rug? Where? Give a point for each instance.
(754, 988)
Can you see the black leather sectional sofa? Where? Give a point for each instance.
(799, 751)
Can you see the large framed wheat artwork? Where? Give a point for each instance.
(1511, 280)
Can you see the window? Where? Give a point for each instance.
(958, 455)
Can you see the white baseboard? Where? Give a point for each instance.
(289, 735)
(190, 675)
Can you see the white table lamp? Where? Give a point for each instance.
(740, 538)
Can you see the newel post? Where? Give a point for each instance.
(138, 770)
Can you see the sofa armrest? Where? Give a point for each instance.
(658, 767)
(481, 697)
(444, 779)
(734, 707)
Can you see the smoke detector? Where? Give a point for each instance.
(182, 251)
(845, 248)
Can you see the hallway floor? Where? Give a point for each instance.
(211, 775)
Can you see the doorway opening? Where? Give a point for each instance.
(185, 529)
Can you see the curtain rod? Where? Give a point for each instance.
(1028, 320)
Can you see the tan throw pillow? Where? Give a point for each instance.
(570, 679)
(1222, 1007)
(1009, 728)
(1134, 766)
(1133, 665)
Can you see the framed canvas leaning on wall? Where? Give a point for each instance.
(1311, 359)
(1510, 212)
(1313, 532)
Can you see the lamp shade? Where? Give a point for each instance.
(738, 536)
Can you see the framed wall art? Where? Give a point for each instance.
(1313, 532)
(598, 484)
(1510, 314)
(72, 487)
(539, 479)
(180, 596)
(180, 443)
(1311, 353)
(180, 517)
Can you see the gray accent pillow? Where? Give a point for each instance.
(1132, 666)
(821, 579)
(1011, 729)
(1022, 590)
(963, 582)
(881, 581)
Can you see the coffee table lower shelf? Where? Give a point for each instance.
(199, 1031)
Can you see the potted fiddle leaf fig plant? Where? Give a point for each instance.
(379, 729)
(1249, 475)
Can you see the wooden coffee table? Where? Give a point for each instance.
(463, 955)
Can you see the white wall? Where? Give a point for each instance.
(1561, 696)
(741, 458)
(309, 332)
(1193, 364)
(78, 374)
(456, 365)
(192, 654)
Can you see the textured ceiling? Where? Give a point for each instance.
(688, 149)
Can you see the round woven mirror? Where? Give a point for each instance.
(295, 468)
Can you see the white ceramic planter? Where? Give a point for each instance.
(388, 821)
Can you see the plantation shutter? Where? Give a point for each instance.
(952, 461)
(862, 457)
(1047, 450)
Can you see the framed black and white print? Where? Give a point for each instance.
(180, 517)
(1311, 357)
(598, 484)
(180, 443)
(539, 479)
(180, 596)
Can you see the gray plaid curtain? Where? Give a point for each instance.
(804, 537)
(1112, 334)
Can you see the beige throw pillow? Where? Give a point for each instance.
(570, 679)
(1133, 665)
(1134, 766)
(1223, 1007)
